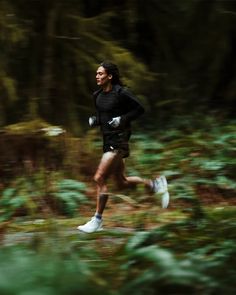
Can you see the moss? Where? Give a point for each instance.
(25, 127)
(31, 127)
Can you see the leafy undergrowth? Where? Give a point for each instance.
(179, 255)
(187, 249)
(200, 165)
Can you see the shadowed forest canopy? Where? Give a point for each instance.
(175, 55)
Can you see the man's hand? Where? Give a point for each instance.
(115, 122)
(92, 121)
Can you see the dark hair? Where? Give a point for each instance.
(113, 70)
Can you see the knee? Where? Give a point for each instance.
(99, 179)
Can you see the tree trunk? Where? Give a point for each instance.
(48, 63)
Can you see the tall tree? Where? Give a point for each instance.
(11, 34)
(55, 66)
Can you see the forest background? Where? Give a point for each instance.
(175, 55)
(179, 58)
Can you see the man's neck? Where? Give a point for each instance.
(107, 88)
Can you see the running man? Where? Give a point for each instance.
(116, 108)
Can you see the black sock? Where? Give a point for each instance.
(98, 216)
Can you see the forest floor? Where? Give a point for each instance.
(121, 217)
(38, 246)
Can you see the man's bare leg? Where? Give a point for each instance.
(128, 181)
(104, 170)
(157, 186)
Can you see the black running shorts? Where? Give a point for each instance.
(117, 142)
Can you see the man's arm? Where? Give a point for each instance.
(94, 120)
(132, 107)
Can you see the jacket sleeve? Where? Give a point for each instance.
(132, 108)
(97, 115)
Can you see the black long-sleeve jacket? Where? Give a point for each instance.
(119, 102)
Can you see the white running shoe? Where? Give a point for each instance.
(91, 226)
(165, 199)
(160, 187)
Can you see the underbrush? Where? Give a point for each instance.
(200, 164)
(194, 254)
(181, 257)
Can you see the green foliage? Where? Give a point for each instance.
(18, 196)
(179, 257)
(195, 255)
(192, 159)
(34, 194)
(70, 193)
(183, 259)
(26, 271)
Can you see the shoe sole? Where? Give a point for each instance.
(165, 199)
(89, 232)
(164, 186)
(165, 196)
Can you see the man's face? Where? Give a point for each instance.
(102, 77)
